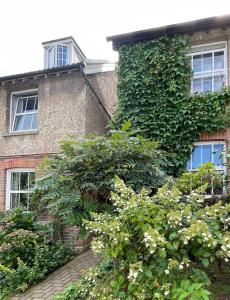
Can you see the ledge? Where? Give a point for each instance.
(21, 133)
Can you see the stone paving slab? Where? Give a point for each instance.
(55, 282)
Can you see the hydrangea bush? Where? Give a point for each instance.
(160, 246)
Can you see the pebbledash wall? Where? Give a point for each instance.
(66, 106)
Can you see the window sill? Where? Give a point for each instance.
(21, 133)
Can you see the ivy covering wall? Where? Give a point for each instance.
(153, 91)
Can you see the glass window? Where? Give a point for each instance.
(62, 55)
(25, 113)
(21, 185)
(209, 71)
(204, 153)
(209, 152)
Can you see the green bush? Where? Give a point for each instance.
(158, 242)
(25, 254)
(80, 179)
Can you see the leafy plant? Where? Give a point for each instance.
(25, 254)
(191, 291)
(206, 175)
(80, 179)
(153, 93)
(157, 242)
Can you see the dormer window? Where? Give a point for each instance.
(62, 52)
(62, 55)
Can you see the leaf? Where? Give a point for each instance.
(148, 273)
(205, 262)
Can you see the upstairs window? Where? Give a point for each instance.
(20, 183)
(62, 55)
(24, 112)
(209, 70)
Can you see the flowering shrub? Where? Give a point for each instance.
(25, 255)
(158, 242)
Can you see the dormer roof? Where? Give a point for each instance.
(66, 39)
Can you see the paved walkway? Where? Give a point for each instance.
(60, 278)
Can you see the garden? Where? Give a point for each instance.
(160, 232)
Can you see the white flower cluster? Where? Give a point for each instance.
(152, 239)
(97, 245)
(134, 271)
(224, 252)
(197, 230)
(174, 264)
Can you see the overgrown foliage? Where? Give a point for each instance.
(25, 254)
(160, 246)
(153, 91)
(80, 179)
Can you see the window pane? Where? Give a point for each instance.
(21, 105)
(18, 125)
(34, 124)
(217, 155)
(197, 85)
(15, 181)
(27, 122)
(197, 63)
(23, 201)
(30, 104)
(207, 62)
(218, 82)
(36, 103)
(14, 200)
(196, 157)
(59, 55)
(24, 181)
(206, 153)
(219, 60)
(31, 179)
(207, 84)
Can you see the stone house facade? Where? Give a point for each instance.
(70, 96)
(209, 41)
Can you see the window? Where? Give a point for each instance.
(209, 70)
(19, 187)
(62, 55)
(210, 152)
(24, 112)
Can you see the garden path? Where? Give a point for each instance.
(60, 278)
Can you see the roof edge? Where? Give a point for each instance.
(42, 72)
(184, 27)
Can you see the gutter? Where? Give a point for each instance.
(82, 67)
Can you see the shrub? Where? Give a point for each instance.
(25, 254)
(81, 178)
(158, 242)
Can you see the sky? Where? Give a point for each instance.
(25, 24)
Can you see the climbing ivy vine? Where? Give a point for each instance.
(153, 91)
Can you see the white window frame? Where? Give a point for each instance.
(223, 169)
(68, 54)
(8, 183)
(14, 103)
(213, 73)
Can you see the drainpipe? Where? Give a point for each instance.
(82, 66)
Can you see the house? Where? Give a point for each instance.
(209, 41)
(71, 95)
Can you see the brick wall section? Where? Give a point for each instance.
(30, 161)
